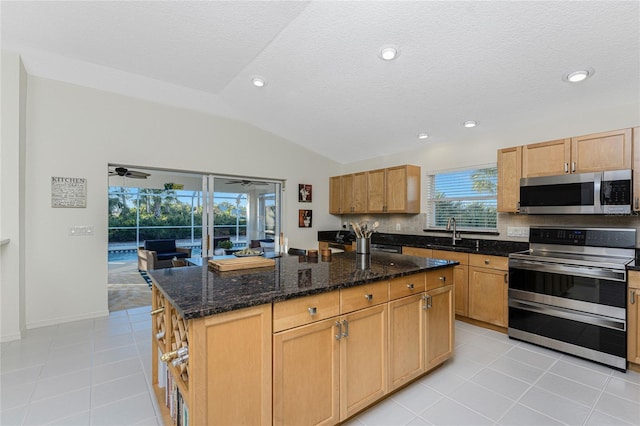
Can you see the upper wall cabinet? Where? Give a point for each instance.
(348, 193)
(590, 153)
(390, 190)
(509, 174)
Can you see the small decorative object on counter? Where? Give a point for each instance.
(363, 245)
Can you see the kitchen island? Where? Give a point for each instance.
(306, 341)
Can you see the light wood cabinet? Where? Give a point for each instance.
(601, 151)
(402, 190)
(306, 375)
(589, 153)
(633, 318)
(390, 190)
(636, 169)
(546, 158)
(460, 278)
(440, 325)
(376, 184)
(509, 174)
(215, 373)
(335, 195)
(406, 339)
(488, 289)
(363, 359)
(230, 355)
(417, 251)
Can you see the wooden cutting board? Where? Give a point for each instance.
(241, 263)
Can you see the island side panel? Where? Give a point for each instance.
(231, 360)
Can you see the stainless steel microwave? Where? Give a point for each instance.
(577, 193)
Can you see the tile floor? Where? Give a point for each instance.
(97, 372)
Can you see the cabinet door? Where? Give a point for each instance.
(509, 174)
(347, 194)
(359, 191)
(633, 318)
(406, 340)
(488, 295)
(376, 191)
(461, 284)
(306, 378)
(231, 355)
(546, 158)
(601, 151)
(440, 325)
(335, 195)
(363, 359)
(636, 169)
(403, 189)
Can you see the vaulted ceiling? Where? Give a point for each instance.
(327, 87)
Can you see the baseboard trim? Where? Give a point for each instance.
(63, 320)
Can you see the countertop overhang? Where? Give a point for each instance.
(199, 291)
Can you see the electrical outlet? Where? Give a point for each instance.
(517, 231)
(81, 231)
(398, 227)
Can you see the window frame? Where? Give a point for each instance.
(431, 198)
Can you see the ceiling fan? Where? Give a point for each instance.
(245, 182)
(121, 171)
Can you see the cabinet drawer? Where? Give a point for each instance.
(439, 278)
(417, 251)
(363, 296)
(406, 286)
(463, 258)
(305, 310)
(493, 262)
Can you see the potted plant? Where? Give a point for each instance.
(227, 245)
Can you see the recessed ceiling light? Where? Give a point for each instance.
(579, 75)
(389, 53)
(258, 81)
(470, 123)
(423, 135)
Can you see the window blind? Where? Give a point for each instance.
(468, 195)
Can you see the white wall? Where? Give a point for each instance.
(12, 169)
(74, 131)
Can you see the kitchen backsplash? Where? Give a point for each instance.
(415, 224)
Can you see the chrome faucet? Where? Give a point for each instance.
(455, 236)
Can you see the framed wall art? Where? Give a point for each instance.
(304, 193)
(304, 218)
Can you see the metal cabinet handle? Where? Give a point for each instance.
(312, 310)
(346, 328)
(369, 297)
(443, 278)
(161, 308)
(410, 286)
(429, 302)
(506, 278)
(486, 261)
(573, 167)
(633, 297)
(566, 167)
(339, 335)
(636, 204)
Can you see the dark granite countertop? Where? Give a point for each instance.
(467, 245)
(198, 291)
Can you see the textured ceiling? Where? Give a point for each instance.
(327, 89)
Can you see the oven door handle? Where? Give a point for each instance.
(570, 314)
(558, 268)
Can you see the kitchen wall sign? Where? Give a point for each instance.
(304, 218)
(304, 193)
(68, 192)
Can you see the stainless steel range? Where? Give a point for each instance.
(568, 291)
